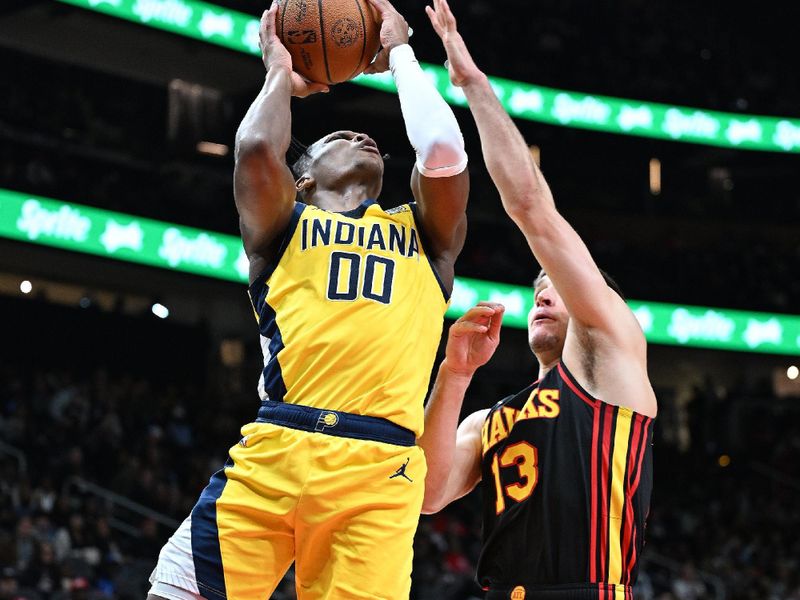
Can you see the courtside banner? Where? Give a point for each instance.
(118, 236)
(238, 31)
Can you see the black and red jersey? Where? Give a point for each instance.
(566, 490)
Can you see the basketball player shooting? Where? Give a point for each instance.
(350, 301)
(565, 476)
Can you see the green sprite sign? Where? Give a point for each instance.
(134, 239)
(124, 237)
(238, 31)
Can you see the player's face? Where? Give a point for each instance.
(548, 319)
(343, 156)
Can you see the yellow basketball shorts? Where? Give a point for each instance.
(344, 509)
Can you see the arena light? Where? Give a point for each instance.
(212, 148)
(655, 176)
(238, 31)
(159, 310)
(134, 239)
(25, 287)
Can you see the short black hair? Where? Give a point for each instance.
(608, 279)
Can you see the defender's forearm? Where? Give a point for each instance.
(521, 184)
(439, 439)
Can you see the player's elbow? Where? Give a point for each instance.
(434, 499)
(432, 505)
(443, 155)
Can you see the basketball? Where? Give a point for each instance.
(330, 41)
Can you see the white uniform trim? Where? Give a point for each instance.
(175, 567)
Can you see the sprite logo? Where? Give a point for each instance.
(585, 110)
(710, 326)
(743, 131)
(696, 124)
(787, 135)
(766, 332)
(250, 37)
(631, 117)
(66, 223)
(118, 236)
(464, 296)
(213, 24)
(514, 301)
(169, 12)
(203, 250)
(523, 101)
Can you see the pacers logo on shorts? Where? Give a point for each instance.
(326, 420)
(518, 593)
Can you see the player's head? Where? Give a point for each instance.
(548, 319)
(336, 161)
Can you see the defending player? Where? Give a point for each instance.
(350, 300)
(565, 476)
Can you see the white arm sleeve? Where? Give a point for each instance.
(430, 123)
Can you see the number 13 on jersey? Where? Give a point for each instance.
(524, 456)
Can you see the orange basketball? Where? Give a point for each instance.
(330, 41)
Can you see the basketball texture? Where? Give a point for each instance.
(330, 41)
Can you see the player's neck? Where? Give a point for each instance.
(343, 198)
(547, 362)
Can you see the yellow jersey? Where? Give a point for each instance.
(350, 313)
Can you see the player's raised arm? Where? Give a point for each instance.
(452, 451)
(525, 194)
(264, 188)
(600, 317)
(439, 180)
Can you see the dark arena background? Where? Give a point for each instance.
(669, 133)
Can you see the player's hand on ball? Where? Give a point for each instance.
(394, 32)
(276, 56)
(460, 65)
(473, 338)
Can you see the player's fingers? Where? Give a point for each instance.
(316, 88)
(268, 21)
(490, 304)
(460, 328)
(477, 312)
(382, 6)
(380, 64)
(496, 323)
(448, 14)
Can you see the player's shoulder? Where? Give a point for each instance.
(396, 210)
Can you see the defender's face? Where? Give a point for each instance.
(548, 319)
(345, 153)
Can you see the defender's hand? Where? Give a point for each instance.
(276, 56)
(473, 339)
(460, 65)
(394, 32)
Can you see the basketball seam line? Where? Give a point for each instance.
(322, 34)
(363, 39)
